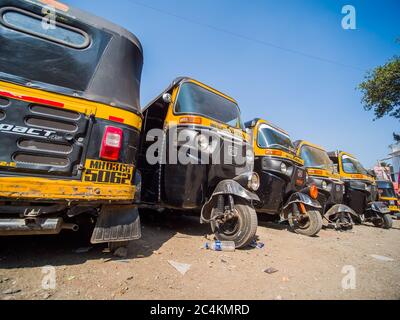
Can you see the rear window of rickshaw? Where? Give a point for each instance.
(44, 27)
(47, 61)
(194, 99)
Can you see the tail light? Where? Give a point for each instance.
(314, 192)
(111, 144)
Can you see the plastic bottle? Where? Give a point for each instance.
(228, 246)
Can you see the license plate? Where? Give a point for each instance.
(394, 208)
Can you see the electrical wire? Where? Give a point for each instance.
(248, 38)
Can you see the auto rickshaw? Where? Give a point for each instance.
(70, 122)
(323, 174)
(387, 195)
(283, 191)
(361, 191)
(195, 157)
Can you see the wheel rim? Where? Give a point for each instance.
(230, 227)
(302, 223)
(378, 223)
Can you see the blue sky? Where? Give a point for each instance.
(224, 44)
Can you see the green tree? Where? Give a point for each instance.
(381, 90)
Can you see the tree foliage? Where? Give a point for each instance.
(381, 89)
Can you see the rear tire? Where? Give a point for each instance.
(242, 231)
(386, 222)
(310, 225)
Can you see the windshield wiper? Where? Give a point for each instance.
(321, 166)
(279, 145)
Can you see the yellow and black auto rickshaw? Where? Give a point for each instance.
(283, 191)
(387, 195)
(323, 174)
(70, 122)
(361, 191)
(195, 157)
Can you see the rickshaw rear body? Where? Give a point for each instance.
(70, 117)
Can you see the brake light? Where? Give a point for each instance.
(111, 144)
(313, 192)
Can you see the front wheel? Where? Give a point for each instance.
(241, 228)
(308, 224)
(385, 222)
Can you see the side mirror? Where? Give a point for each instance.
(167, 98)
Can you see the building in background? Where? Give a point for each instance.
(395, 155)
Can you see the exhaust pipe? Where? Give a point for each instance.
(36, 226)
(70, 226)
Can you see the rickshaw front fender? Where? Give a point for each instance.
(300, 197)
(378, 208)
(226, 187)
(340, 208)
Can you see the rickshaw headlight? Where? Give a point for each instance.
(254, 182)
(324, 185)
(283, 168)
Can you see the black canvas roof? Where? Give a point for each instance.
(107, 70)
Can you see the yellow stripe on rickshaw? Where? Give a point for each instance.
(83, 106)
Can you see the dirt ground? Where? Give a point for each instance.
(307, 268)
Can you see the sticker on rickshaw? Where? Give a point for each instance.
(55, 4)
(8, 164)
(98, 171)
(227, 129)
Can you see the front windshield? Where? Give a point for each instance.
(386, 189)
(194, 99)
(352, 166)
(269, 137)
(388, 193)
(315, 158)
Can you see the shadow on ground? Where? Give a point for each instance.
(60, 250)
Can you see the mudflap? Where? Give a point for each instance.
(341, 215)
(117, 223)
(226, 187)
